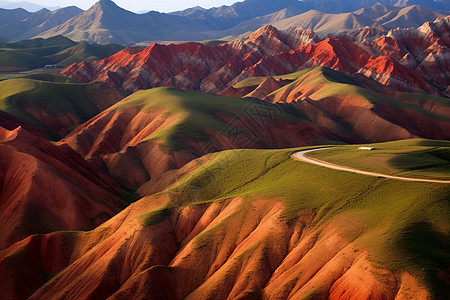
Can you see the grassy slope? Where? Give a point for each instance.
(416, 158)
(337, 84)
(36, 53)
(407, 224)
(197, 111)
(21, 95)
(85, 52)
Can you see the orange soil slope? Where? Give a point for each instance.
(234, 249)
(45, 188)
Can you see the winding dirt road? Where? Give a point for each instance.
(301, 157)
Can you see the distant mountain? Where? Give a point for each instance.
(31, 7)
(19, 24)
(228, 16)
(105, 22)
(389, 17)
(341, 6)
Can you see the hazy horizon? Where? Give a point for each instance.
(135, 5)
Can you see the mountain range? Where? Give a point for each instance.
(31, 7)
(413, 60)
(105, 22)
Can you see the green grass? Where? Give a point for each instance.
(154, 217)
(416, 158)
(85, 52)
(59, 50)
(336, 84)
(29, 99)
(196, 112)
(22, 60)
(406, 224)
(255, 81)
(213, 42)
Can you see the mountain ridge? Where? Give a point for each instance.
(105, 22)
(406, 59)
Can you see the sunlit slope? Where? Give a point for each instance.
(161, 129)
(411, 158)
(371, 111)
(257, 223)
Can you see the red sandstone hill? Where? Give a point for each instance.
(155, 131)
(412, 60)
(46, 188)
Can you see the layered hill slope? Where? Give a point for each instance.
(50, 106)
(45, 188)
(243, 224)
(413, 60)
(152, 132)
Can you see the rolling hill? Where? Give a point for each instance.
(250, 227)
(52, 105)
(290, 162)
(309, 107)
(58, 50)
(45, 188)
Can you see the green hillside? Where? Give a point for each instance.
(37, 53)
(85, 52)
(198, 112)
(54, 102)
(410, 158)
(406, 224)
(322, 83)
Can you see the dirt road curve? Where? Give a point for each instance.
(301, 157)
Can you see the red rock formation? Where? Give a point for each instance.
(125, 137)
(423, 52)
(45, 188)
(230, 249)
